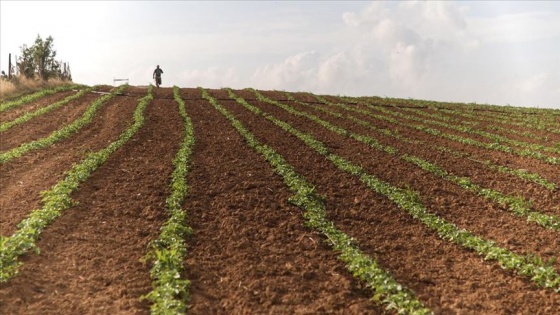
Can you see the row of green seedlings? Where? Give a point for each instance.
(526, 150)
(531, 265)
(493, 121)
(520, 173)
(516, 205)
(458, 118)
(57, 199)
(494, 137)
(43, 110)
(169, 293)
(547, 123)
(543, 122)
(62, 133)
(536, 116)
(35, 96)
(387, 291)
(439, 133)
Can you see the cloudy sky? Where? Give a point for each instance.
(494, 52)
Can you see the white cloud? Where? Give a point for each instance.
(503, 52)
(535, 83)
(431, 50)
(434, 18)
(212, 77)
(336, 69)
(517, 27)
(297, 72)
(540, 89)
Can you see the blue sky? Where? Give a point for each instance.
(494, 52)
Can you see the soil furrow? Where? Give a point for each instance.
(22, 180)
(550, 172)
(449, 279)
(250, 252)
(15, 112)
(488, 125)
(444, 198)
(90, 259)
(423, 122)
(43, 125)
(531, 120)
(480, 126)
(543, 200)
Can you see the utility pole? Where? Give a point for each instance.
(9, 66)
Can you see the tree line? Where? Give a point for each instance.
(38, 62)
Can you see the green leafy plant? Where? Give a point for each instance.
(29, 115)
(526, 150)
(516, 205)
(387, 291)
(543, 275)
(521, 173)
(57, 199)
(61, 133)
(169, 293)
(35, 96)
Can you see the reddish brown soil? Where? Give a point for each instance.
(43, 125)
(17, 111)
(495, 122)
(457, 277)
(251, 252)
(550, 172)
(449, 200)
(22, 180)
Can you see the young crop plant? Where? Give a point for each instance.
(494, 137)
(516, 205)
(61, 133)
(29, 115)
(438, 133)
(493, 126)
(531, 265)
(545, 119)
(523, 174)
(167, 253)
(526, 150)
(57, 199)
(35, 96)
(498, 112)
(387, 291)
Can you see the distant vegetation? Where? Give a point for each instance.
(35, 68)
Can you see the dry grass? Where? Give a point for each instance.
(21, 86)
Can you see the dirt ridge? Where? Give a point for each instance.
(250, 252)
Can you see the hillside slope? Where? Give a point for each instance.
(403, 179)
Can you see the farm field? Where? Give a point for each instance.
(288, 203)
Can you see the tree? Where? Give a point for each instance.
(38, 61)
(25, 63)
(43, 57)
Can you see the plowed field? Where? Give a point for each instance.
(489, 171)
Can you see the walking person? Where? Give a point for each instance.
(157, 75)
